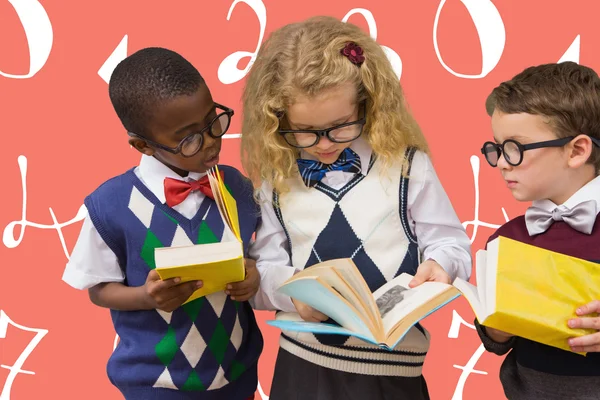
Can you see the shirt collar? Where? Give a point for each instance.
(360, 146)
(591, 191)
(153, 173)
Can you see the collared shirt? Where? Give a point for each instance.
(590, 191)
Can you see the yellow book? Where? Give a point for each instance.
(530, 292)
(215, 264)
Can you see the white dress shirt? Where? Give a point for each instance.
(590, 191)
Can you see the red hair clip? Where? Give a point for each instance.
(354, 53)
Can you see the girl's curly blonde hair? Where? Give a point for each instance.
(305, 59)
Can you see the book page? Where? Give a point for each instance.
(319, 328)
(471, 293)
(395, 300)
(230, 205)
(476, 295)
(481, 279)
(216, 190)
(350, 273)
(397, 333)
(320, 296)
(171, 257)
(491, 271)
(332, 277)
(228, 233)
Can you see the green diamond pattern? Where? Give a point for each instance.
(193, 383)
(237, 369)
(193, 308)
(219, 341)
(150, 243)
(167, 347)
(206, 235)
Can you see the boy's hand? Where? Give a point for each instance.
(308, 313)
(588, 343)
(429, 271)
(243, 291)
(168, 295)
(496, 335)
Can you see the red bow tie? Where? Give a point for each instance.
(177, 190)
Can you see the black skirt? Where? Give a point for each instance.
(298, 379)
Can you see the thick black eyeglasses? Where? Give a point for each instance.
(343, 133)
(513, 150)
(192, 143)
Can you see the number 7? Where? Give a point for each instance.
(16, 367)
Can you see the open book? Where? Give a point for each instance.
(215, 264)
(337, 289)
(529, 291)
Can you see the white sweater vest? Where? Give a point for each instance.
(366, 220)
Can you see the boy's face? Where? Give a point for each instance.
(544, 173)
(175, 119)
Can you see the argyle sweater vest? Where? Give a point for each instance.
(366, 221)
(209, 347)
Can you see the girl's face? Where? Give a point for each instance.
(330, 108)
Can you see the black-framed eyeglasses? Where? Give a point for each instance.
(192, 143)
(513, 150)
(343, 133)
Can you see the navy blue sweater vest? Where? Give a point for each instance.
(207, 349)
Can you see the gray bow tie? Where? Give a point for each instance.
(581, 218)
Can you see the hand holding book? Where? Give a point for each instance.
(308, 313)
(336, 290)
(497, 336)
(582, 344)
(430, 271)
(590, 320)
(169, 294)
(244, 290)
(216, 264)
(531, 292)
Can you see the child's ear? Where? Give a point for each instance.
(141, 146)
(580, 150)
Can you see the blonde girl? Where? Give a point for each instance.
(342, 171)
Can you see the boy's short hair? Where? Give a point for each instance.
(567, 94)
(146, 78)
